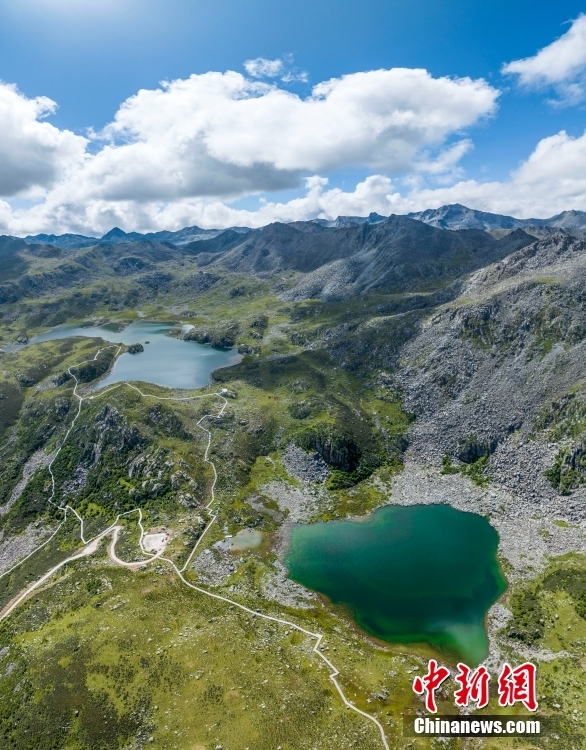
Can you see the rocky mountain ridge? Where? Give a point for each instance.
(330, 263)
(117, 236)
(452, 216)
(456, 216)
(517, 327)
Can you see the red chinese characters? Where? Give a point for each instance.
(429, 683)
(518, 686)
(514, 685)
(474, 686)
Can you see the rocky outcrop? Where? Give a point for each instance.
(112, 430)
(220, 338)
(95, 368)
(38, 460)
(165, 421)
(334, 448)
(307, 468)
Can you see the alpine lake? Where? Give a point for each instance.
(166, 360)
(424, 574)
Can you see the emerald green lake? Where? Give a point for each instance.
(417, 574)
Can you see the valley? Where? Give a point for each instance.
(389, 362)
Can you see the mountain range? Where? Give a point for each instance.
(453, 216)
(456, 216)
(117, 236)
(397, 254)
(393, 255)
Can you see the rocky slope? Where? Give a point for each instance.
(394, 255)
(483, 368)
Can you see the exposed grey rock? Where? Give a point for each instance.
(456, 216)
(38, 460)
(398, 254)
(298, 503)
(15, 548)
(214, 566)
(307, 468)
(482, 367)
(278, 587)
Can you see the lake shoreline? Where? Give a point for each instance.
(371, 567)
(164, 361)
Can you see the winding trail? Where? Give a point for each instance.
(131, 565)
(25, 593)
(114, 529)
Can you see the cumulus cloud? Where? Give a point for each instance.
(225, 135)
(319, 200)
(562, 64)
(551, 180)
(33, 154)
(178, 155)
(260, 67)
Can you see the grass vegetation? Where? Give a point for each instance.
(564, 422)
(549, 612)
(138, 655)
(107, 658)
(476, 470)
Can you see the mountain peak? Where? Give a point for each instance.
(457, 216)
(114, 233)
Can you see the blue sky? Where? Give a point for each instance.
(90, 56)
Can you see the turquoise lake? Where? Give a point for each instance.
(166, 361)
(417, 574)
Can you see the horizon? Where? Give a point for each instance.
(318, 218)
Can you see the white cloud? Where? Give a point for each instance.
(225, 135)
(562, 64)
(318, 201)
(260, 67)
(33, 154)
(551, 180)
(293, 76)
(445, 165)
